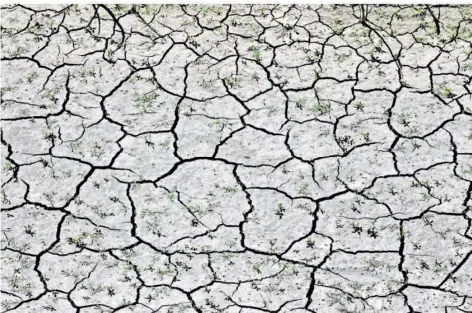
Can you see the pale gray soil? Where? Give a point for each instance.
(236, 159)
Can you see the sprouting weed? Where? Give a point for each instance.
(145, 101)
(233, 82)
(230, 189)
(280, 210)
(165, 143)
(31, 77)
(446, 91)
(29, 230)
(272, 110)
(97, 151)
(206, 84)
(425, 196)
(149, 143)
(358, 105)
(256, 52)
(304, 190)
(257, 268)
(310, 243)
(51, 94)
(18, 52)
(321, 109)
(300, 103)
(419, 11)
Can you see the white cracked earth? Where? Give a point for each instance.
(236, 159)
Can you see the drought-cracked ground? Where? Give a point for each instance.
(236, 159)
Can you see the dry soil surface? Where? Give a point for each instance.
(236, 159)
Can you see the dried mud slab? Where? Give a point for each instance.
(236, 158)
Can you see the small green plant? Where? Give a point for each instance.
(300, 103)
(149, 143)
(358, 105)
(233, 82)
(446, 92)
(31, 77)
(321, 109)
(256, 52)
(304, 189)
(280, 210)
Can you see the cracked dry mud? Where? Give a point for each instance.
(236, 159)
